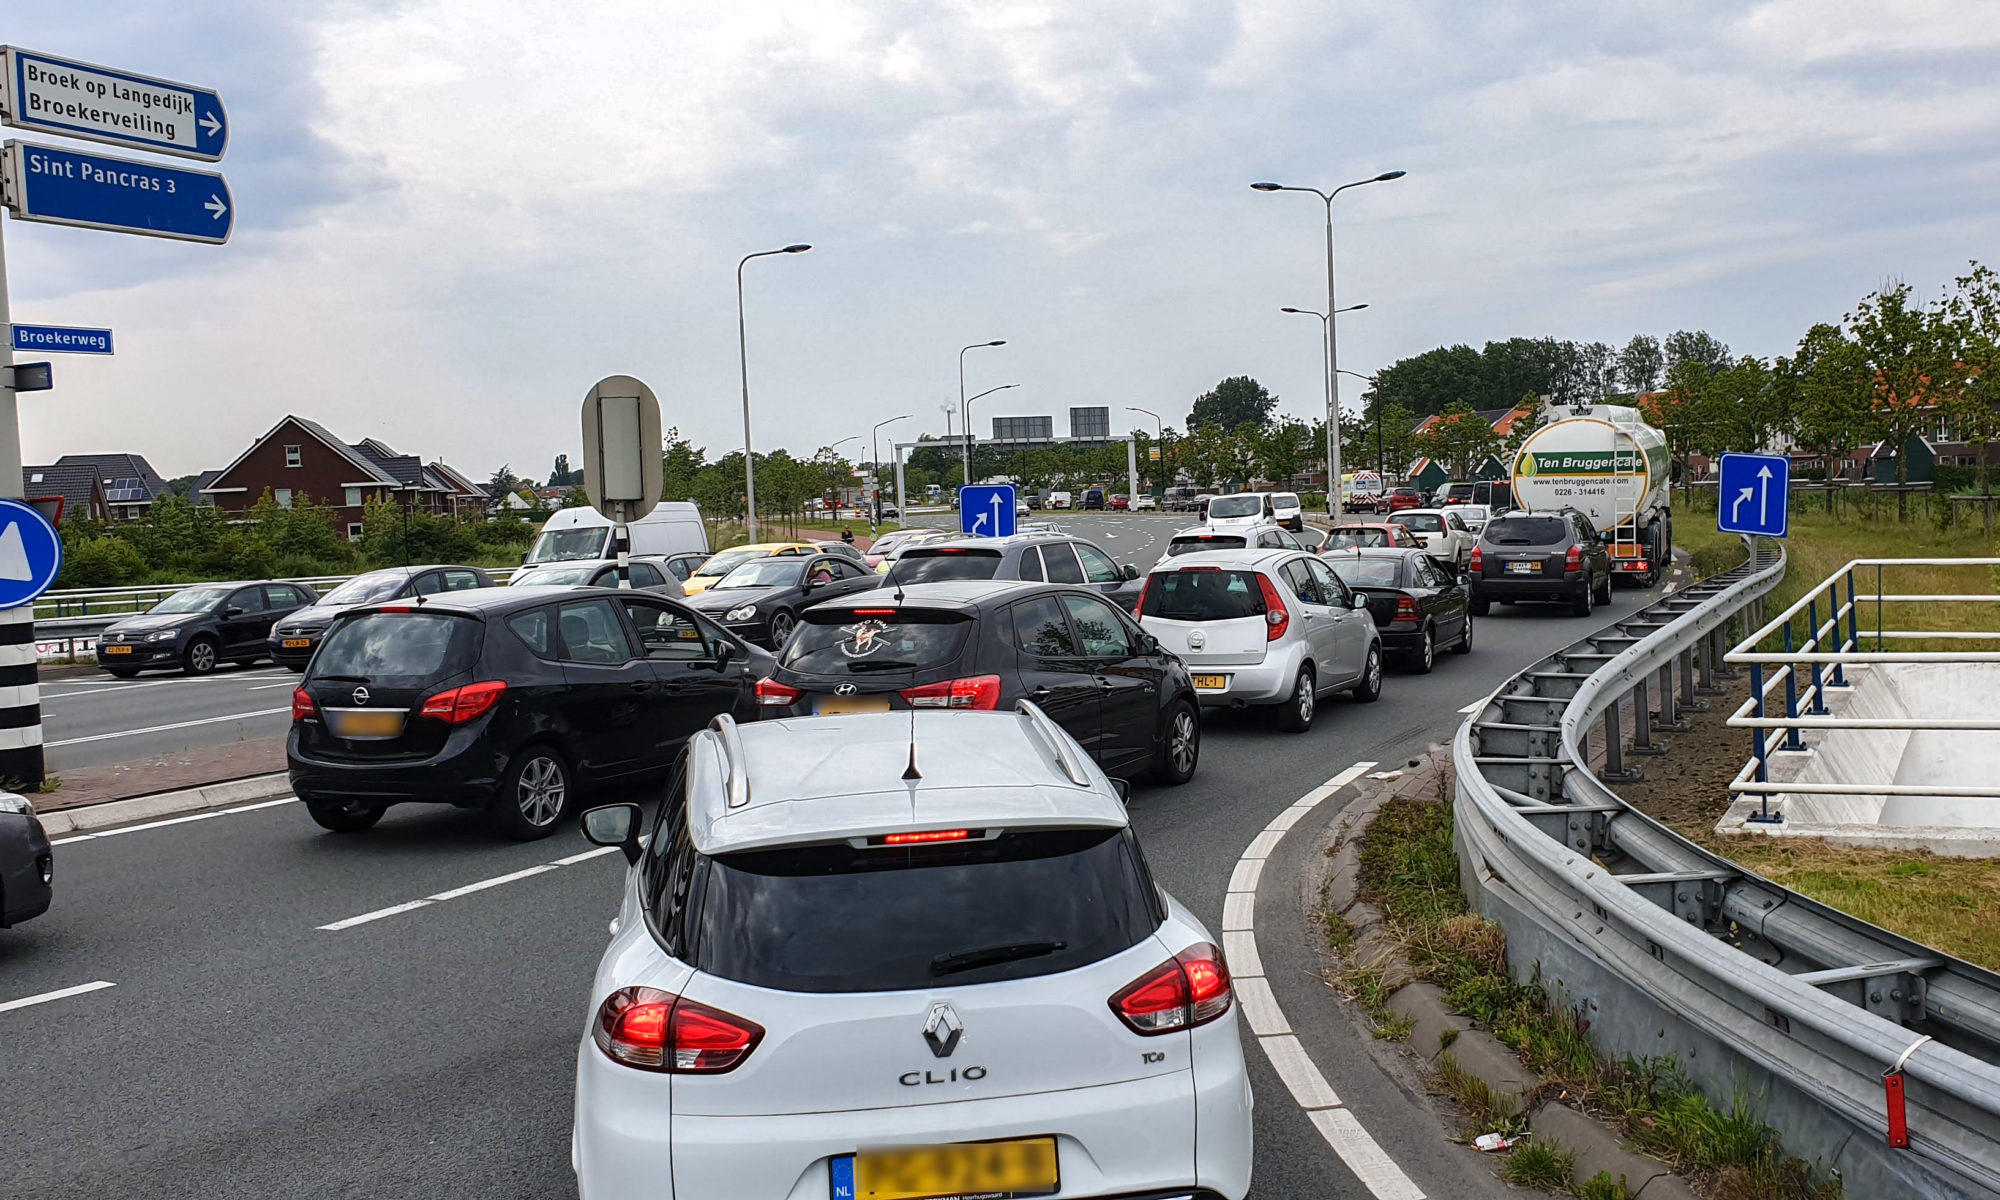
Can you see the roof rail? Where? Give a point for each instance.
(737, 782)
(1052, 735)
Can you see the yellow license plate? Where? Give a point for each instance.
(999, 1169)
(835, 706)
(366, 724)
(1211, 683)
(297, 643)
(118, 649)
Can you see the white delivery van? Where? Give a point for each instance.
(1059, 500)
(575, 534)
(1286, 511)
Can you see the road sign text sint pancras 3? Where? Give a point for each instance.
(96, 191)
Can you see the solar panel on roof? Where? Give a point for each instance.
(124, 489)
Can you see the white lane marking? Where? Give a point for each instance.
(101, 686)
(200, 816)
(59, 994)
(265, 687)
(1339, 1126)
(119, 733)
(467, 890)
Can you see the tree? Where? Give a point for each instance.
(1283, 450)
(502, 481)
(1677, 411)
(1975, 414)
(1908, 356)
(562, 476)
(1640, 363)
(1431, 382)
(1237, 400)
(679, 465)
(1830, 415)
(1697, 347)
(1596, 370)
(1461, 440)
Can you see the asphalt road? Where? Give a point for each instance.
(92, 719)
(244, 1050)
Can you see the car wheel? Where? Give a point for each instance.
(534, 795)
(1604, 589)
(781, 629)
(342, 816)
(1295, 715)
(1369, 689)
(199, 658)
(123, 672)
(1586, 597)
(1426, 655)
(1479, 606)
(296, 668)
(1464, 645)
(1180, 745)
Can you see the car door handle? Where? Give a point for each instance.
(1040, 694)
(642, 685)
(1104, 681)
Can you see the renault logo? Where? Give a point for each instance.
(942, 1029)
(361, 695)
(845, 689)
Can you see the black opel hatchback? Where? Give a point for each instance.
(509, 700)
(984, 645)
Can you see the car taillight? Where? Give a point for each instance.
(1139, 606)
(1406, 610)
(462, 704)
(1276, 615)
(1477, 560)
(1190, 989)
(772, 694)
(975, 691)
(302, 705)
(1573, 559)
(658, 1031)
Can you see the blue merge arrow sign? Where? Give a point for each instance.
(62, 339)
(1753, 493)
(987, 510)
(30, 553)
(83, 100)
(95, 191)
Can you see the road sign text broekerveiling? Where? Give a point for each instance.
(1752, 494)
(83, 100)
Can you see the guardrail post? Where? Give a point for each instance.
(1818, 708)
(1670, 717)
(1791, 695)
(1687, 701)
(1642, 719)
(1614, 750)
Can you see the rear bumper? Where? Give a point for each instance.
(1401, 641)
(465, 774)
(24, 858)
(1527, 587)
(1267, 682)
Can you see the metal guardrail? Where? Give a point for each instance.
(1665, 949)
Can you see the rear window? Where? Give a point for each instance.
(1527, 531)
(1368, 572)
(1236, 506)
(1419, 522)
(367, 589)
(1347, 539)
(939, 565)
(1284, 501)
(565, 545)
(837, 919)
(857, 643)
(1191, 545)
(1199, 595)
(398, 646)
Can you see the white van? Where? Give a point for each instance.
(1240, 510)
(1286, 511)
(1059, 500)
(576, 534)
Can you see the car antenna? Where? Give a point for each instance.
(910, 773)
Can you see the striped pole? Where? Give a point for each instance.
(20, 700)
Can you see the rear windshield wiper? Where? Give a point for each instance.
(341, 678)
(886, 664)
(966, 960)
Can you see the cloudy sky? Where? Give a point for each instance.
(455, 215)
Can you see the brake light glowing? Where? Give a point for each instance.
(874, 612)
(772, 694)
(1478, 560)
(1276, 615)
(1573, 559)
(462, 704)
(658, 1031)
(1406, 611)
(397, 608)
(302, 705)
(926, 836)
(976, 691)
(1190, 989)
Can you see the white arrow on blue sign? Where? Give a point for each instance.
(987, 509)
(62, 339)
(82, 100)
(31, 554)
(1753, 493)
(95, 191)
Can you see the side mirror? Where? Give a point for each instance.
(614, 825)
(1124, 790)
(1357, 601)
(1148, 644)
(1128, 571)
(725, 653)
(232, 611)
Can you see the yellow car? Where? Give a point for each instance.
(724, 561)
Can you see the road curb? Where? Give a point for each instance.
(167, 804)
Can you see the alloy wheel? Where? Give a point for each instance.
(541, 790)
(1303, 698)
(1182, 742)
(201, 657)
(781, 629)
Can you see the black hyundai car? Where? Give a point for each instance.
(1054, 558)
(27, 865)
(1420, 606)
(760, 601)
(199, 627)
(509, 700)
(986, 644)
(293, 639)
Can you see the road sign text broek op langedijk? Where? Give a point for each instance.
(96, 191)
(83, 100)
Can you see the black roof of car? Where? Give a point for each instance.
(483, 600)
(957, 593)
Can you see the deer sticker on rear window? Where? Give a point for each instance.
(863, 638)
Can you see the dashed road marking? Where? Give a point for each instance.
(59, 994)
(441, 897)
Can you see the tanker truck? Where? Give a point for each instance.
(1604, 461)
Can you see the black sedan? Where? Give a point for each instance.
(1052, 558)
(760, 601)
(987, 644)
(510, 700)
(1420, 606)
(195, 629)
(293, 639)
(27, 865)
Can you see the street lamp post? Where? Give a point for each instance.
(964, 416)
(1159, 437)
(875, 465)
(1332, 346)
(1325, 341)
(743, 362)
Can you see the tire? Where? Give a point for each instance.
(1479, 606)
(1295, 715)
(535, 795)
(200, 657)
(1586, 600)
(1369, 690)
(1604, 589)
(1180, 745)
(123, 672)
(1464, 643)
(296, 668)
(1425, 659)
(782, 624)
(343, 816)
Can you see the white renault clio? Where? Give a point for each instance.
(909, 954)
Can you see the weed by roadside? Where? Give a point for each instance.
(1539, 1164)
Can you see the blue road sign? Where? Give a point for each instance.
(30, 554)
(987, 510)
(1751, 495)
(64, 187)
(62, 339)
(83, 100)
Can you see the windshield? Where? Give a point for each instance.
(867, 640)
(398, 645)
(1200, 594)
(552, 576)
(367, 589)
(1349, 536)
(1015, 906)
(763, 572)
(1420, 522)
(567, 545)
(1284, 501)
(1527, 531)
(726, 561)
(1236, 506)
(1203, 541)
(191, 601)
(921, 565)
(1368, 572)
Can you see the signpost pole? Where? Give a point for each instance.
(20, 745)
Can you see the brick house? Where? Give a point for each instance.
(79, 485)
(299, 457)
